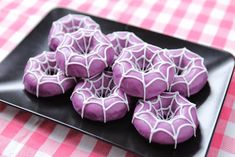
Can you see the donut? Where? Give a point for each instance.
(68, 24)
(123, 39)
(84, 53)
(99, 99)
(43, 78)
(166, 119)
(191, 73)
(143, 71)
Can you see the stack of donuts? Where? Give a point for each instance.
(108, 71)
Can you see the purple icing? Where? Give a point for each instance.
(167, 119)
(143, 71)
(84, 53)
(191, 73)
(68, 24)
(43, 78)
(123, 39)
(140, 69)
(99, 99)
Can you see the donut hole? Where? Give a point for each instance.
(165, 114)
(51, 71)
(183, 66)
(183, 69)
(102, 93)
(104, 86)
(144, 65)
(179, 71)
(72, 26)
(167, 110)
(72, 29)
(84, 45)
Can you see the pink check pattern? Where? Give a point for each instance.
(207, 22)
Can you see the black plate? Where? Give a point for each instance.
(120, 133)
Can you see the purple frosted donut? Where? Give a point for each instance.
(99, 99)
(143, 71)
(43, 78)
(191, 73)
(167, 119)
(68, 24)
(84, 53)
(123, 39)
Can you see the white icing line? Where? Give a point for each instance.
(43, 60)
(184, 55)
(83, 22)
(98, 52)
(140, 68)
(98, 93)
(161, 110)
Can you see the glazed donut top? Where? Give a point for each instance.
(43, 67)
(71, 23)
(123, 39)
(101, 85)
(140, 57)
(142, 60)
(189, 68)
(97, 89)
(83, 47)
(168, 113)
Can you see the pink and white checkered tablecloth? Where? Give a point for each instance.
(207, 22)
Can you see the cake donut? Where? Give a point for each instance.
(123, 39)
(166, 119)
(68, 24)
(191, 73)
(143, 71)
(99, 99)
(43, 78)
(84, 53)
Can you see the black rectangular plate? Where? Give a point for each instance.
(120, 133)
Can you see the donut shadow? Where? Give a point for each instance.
(190, 146)
(53, 100)
(201, 96)
(50, 106)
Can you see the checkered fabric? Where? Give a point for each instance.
(207, 22)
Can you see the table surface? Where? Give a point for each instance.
(207, 22)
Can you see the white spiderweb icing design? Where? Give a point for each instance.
(43, 67)
(141, 58)
(69, 24)
(123, 39)
(186, 62)
(97, 89)
(90, 45)
(158, 112)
